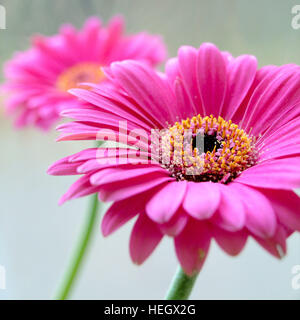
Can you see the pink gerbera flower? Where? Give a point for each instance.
(39, 78)
(223, 166)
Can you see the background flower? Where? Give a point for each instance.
(249, 120)
(38, 79)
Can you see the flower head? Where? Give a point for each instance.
(222, 161)
(38, 79)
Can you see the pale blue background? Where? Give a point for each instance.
(36, 236)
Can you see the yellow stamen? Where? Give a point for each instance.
(228, 150)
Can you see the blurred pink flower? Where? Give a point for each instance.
(38, 79)
(238, 184)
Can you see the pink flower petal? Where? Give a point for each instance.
(166, 201)
(145, 237)
(286, 205)
(241, 73)
(121, 212)
(63, 167)
(122, 190)
(175, 225)
(114, 32)
(262, 78)
(273, 97)
(184, 103)
(147, 88)
(273, 174)
(80, 188)
(102, 118)
(192, 246)
(275, 245)
(280, 120)
(115, 101)
(112, 175)
(202, 199)
(260, 216)
(187, 58)
(211, 78)
(283, 142)
(172, 69)
(231, 213)
(231, 242)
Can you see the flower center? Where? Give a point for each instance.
(206, 149)
(81, 72)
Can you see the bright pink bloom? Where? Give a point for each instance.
(247, 167)
(38, 79)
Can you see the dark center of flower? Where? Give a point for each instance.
(206, 149)
(205, 142)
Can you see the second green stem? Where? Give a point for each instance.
(73, 269)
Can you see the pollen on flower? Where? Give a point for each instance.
(81, 72)
(206, 149)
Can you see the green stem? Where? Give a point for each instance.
(76, 261)
(181, 286)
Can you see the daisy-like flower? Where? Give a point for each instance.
(38, 79)
(223, 165)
